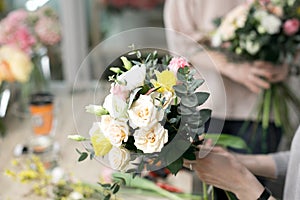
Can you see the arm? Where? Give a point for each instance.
(222, 169)
(261, 165)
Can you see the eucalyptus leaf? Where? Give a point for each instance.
(205, 114)
(196, 83)
(175, 166)
(181, 77)
(180, 89)
(189, 101)
(202, 97)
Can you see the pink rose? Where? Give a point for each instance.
(176, 63)
(291, 26)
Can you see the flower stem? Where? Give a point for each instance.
(204, 189)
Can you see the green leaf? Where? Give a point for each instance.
(205, 114)
(202, 97)
(181, 77)
(83, 156)
(185, 110)
(175, 166)
(189, 101)
(105, 185)
(180, 89)
(79, 152)
(107, 197)
(116, 189)
(195, 84)
(226, 140)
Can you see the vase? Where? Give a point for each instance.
(5, 94)
(39, 81)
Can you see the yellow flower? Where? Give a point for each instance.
(298, 10)
(14, 64)
(165, 81)
(101, 144)
(10, 173)
(27, 175)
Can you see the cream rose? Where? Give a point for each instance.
(143, 112)
(116, 107)
(115, 131)
(151, 140)
(118, 158)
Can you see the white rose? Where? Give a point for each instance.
(143, 112)
(152, 140)
(118, 158)
(114, 130)
(162, 100)
(116, 107)
(134, 77)
(271, 23)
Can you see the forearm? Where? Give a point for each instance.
(250, 188)
(261, 165)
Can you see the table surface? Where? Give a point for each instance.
(70, 119)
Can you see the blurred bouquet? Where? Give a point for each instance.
(132, 4)
(267, 30)
(15, 66)
(29, 30)
(151, 118)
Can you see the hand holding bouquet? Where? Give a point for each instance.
(265, 31)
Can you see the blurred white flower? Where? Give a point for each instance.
(95, 109)
(75, 196)
(233, 20)
(271, 23)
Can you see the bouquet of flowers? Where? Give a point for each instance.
(15, 66)
(151, 119)
(267, 30)
(29, 30)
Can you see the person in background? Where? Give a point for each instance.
(242, 81)
(234, 172)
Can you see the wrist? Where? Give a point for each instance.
(250, 189)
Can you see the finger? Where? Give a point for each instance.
(262, 72)
(251, 86)
(259, 82)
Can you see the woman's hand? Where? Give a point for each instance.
(223, 170)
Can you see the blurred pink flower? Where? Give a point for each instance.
(176, 63)
(27, 30)
(291, 26)
(47, 30)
